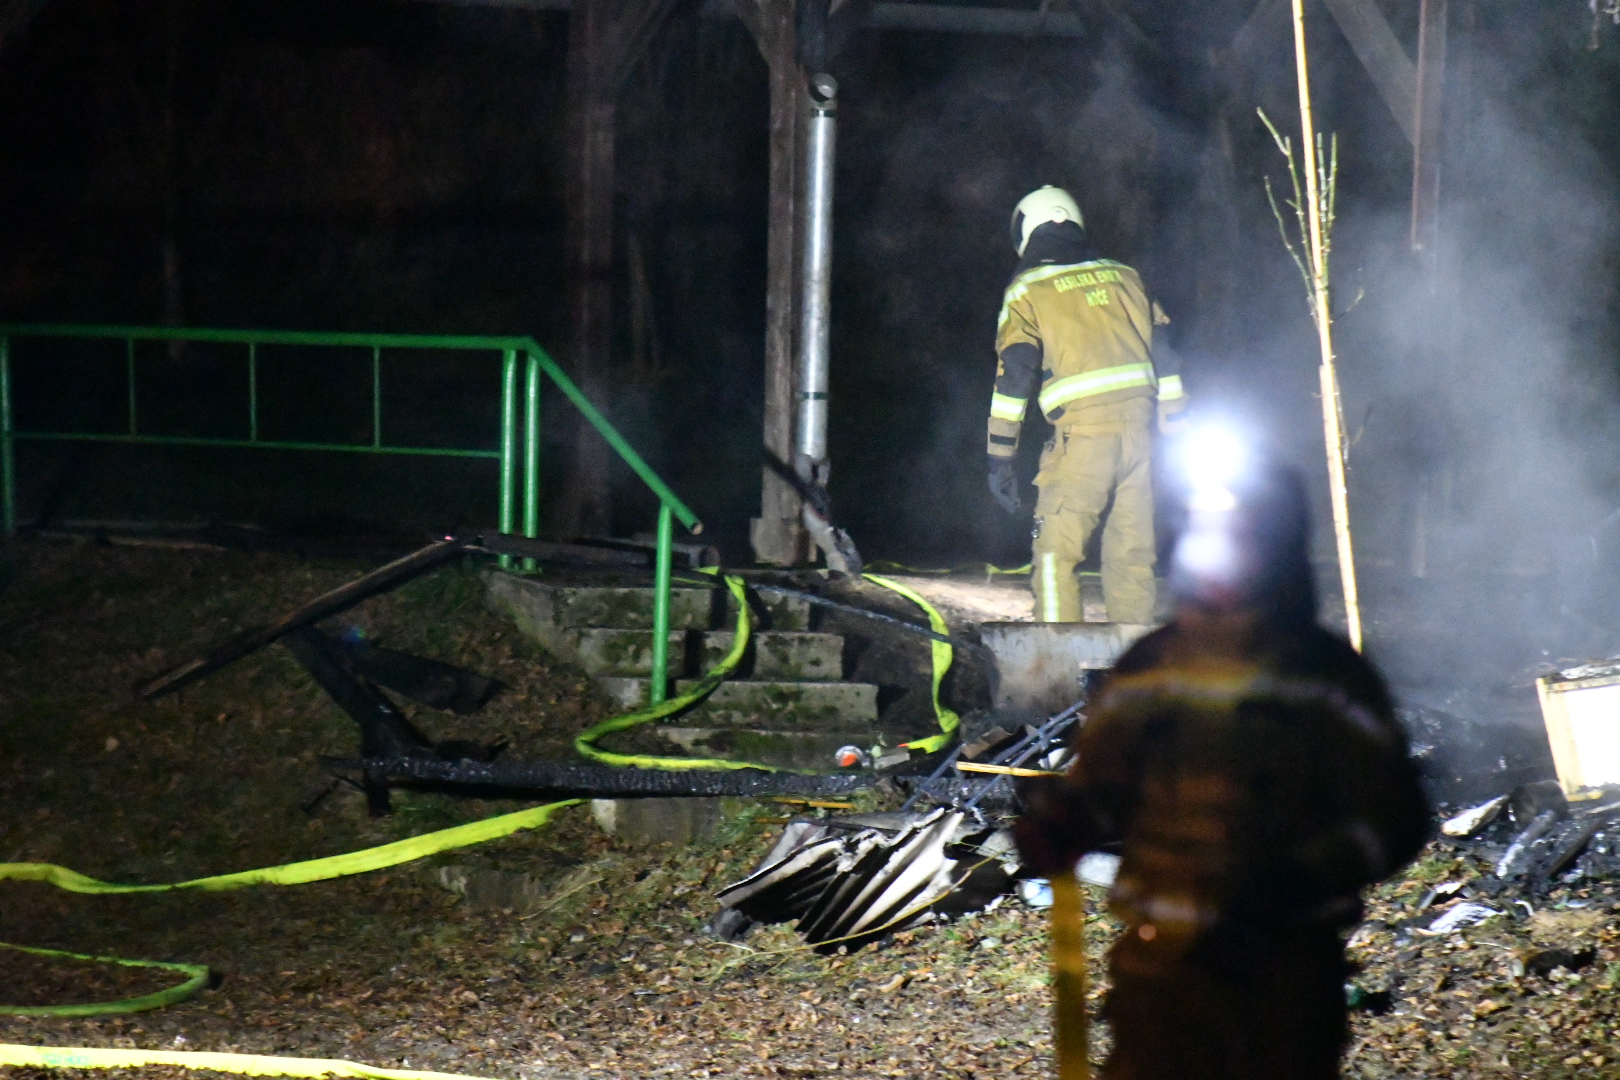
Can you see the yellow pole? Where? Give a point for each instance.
(1332, 409)
(1069, 978)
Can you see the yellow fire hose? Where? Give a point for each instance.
(1069, 979)
(376, 858)
(96, 1057)
(941, 655)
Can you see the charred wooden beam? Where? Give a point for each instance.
(340, 599)
(384, 730)
(604, 782)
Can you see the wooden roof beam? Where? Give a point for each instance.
(1380, 52)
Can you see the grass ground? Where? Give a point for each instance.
(609, 974)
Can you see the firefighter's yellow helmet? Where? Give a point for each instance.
(1039, 207)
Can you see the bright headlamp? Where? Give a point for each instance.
(1212, 458)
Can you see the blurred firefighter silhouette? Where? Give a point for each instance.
(1248, 767)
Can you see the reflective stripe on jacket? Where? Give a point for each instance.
(1094, 327)
(1073, 336)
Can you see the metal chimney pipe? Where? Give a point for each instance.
(812, 425)
(811, 463)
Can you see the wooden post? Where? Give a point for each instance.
(1427, 116)
(605, 39)
(1332, 409)
(777, 535)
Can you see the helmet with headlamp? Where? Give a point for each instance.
(1040, 207)
(1244, 528)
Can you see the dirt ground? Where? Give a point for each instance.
(607, 973)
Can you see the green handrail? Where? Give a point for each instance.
(539, 363)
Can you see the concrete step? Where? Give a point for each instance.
(788, 706)
(623, 608)
(773, 655)
(542, 608)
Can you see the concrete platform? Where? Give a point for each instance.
(1043, 666)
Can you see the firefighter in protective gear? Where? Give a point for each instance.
(1080, 329)
(1249, 768)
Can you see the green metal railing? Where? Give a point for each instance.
(519, 453)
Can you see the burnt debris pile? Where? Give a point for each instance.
(948, 851)
(1534, 840)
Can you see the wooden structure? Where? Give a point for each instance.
(1413, 93)
(605, 40)
(607, 37)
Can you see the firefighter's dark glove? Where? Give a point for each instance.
(1054, 830)
(1004, 484)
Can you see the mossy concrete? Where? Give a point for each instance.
(772, 655)
(785, 705)
(792, 706)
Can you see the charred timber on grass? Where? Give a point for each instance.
(567, 778)
(607, 782)
(338, 600)
(427, 682)
(385, 732)
(438, 553)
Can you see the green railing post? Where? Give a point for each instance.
(376, 395)
(660, 643)
(8, 473)
(594, 417)
(508, 445)
(531, 456)
(253, 391)
(129, 374)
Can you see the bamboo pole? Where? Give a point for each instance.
(1332, 409)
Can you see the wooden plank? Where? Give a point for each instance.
(1380, 52)
(1002, 770)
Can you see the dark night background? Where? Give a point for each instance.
(398, 166)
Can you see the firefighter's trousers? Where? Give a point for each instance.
(1105, 455)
